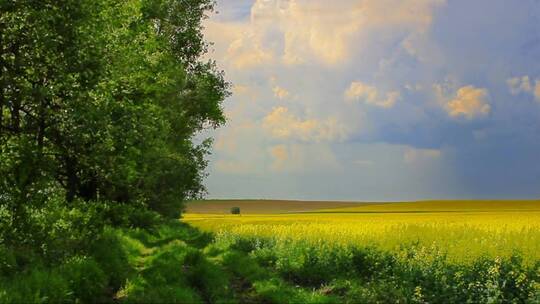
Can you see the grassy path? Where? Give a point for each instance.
(176, 263)
(169, 266)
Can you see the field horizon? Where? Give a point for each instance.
(262, 206)
(464, 230)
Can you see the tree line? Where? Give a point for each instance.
(99, 103)
(102, 99)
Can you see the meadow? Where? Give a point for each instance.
(430, 252)
(479, 251)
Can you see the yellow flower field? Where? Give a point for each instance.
(462, 230)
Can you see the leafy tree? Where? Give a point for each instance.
(100, 100)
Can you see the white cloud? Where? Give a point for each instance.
(282, 124)
(315, 48)
(307, 31)
(370, 95)
(470, 102)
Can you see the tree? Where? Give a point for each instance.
(101, 100)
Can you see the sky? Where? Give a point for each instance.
(377, 100)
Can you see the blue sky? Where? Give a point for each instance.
(377, 99)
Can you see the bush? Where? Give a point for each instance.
(80, 279)
(369, 262)
(60, 230)
(235, 210)
(38, 285)
(52, 230)
(135, 215)
(112, 257)
(8, 261)
(375, 275)
(86, 279)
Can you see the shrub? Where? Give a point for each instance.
(235, 210)
(369, 262)
(38, 285)
(87, 281)
(134, 215)
(53, 230)
(243, 266)
(8, 262)
(277, 291)
(112, 258)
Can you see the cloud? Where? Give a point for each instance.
(280, 155)
(314, 49)
(295, 158)
(518, 85)
(413, 88)
(280, 92)
(233, 167)
(239, 89)
(245, 54)
(523, 85)
(314, 31)
(236, 45)
(414, 155)
(470, 102)
(282, 124)
(370, 95)
(537, 90)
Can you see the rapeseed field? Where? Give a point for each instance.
(463, 231)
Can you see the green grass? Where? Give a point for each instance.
(176, 263)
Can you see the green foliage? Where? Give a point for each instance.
(53, 232)
(235, 210)
(38, 285)
(367, 274)
(98, 108)
(243, 266)
(79, 279)
(99, 105)
(173, 262)
(8, 261)
(174, 270)
(102, 100)
(278, 291)
(112, 256)
(85, 277)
